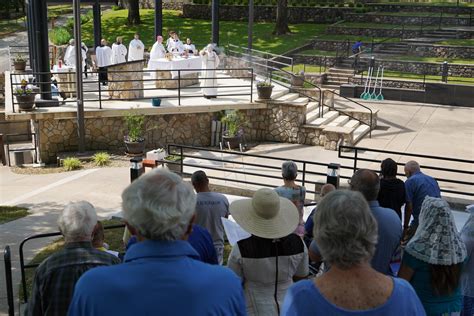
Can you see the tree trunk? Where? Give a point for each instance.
(281, 26)
(133, 12)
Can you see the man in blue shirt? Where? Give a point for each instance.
(418, 186)
(160, 274)
(389, 228)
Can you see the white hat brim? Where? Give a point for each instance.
(283, 224)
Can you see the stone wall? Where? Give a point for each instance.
(428, 50)
(361, 31)
(403, 84)
(406, 20)
(126, 80)
(417, 8)
(314, 60)
(266, 13)
(167, 4)
(455, 70)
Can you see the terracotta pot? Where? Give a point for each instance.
(19, 65)
(135, 148)
(26, 102)
(265, 92)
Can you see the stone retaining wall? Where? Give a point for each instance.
(167, 4)
(392, 83)
(266, 13)
(124, 85)
(427, 50)
(360, 31)
(314, 60)
(455, 70)
(406, 20)
(417, 8)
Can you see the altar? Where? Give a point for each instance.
(66, 77)
(166, 69)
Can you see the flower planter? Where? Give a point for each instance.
(264, 92)
(297, 81)
(26, 102)
(135, 148)
(234, 141)
(19, 65)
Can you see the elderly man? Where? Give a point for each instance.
(210, 207)
(418, 186)
(160, 274)
(367, 182)
(56, 277)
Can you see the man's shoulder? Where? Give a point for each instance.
(385, 214)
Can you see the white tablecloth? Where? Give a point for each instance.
(63, 69)
(193, 62)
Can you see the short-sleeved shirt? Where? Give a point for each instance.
(421, 282)
(254, 260)
(56, 277)
(392, 194)
(419, 186)
(159, 278)
(389, 234)
(297, 196)
(210, 207)
(304, 298)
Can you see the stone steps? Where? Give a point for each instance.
(359, 133)
(339, 121)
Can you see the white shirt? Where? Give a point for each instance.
(119, 51)
(175, 46)
(70, 56)
(135, 50)
(157, 51)
(103, 56)
(190, 48)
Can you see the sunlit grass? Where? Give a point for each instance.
(11, 213)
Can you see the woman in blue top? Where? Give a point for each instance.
(346, 233)
(433, 259)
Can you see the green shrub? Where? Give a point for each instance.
(60, 35)
(71, 163)
(331, 5)
(341, 5)
(101, 159)
(69, 24)
(116, 8)
(351, 5)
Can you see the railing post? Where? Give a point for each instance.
(179, 87)
(303, 180)
(181, 160)
(3, 157)
(22, 271)
(13, 96)
(355, 160)
(251, 86)
(8, 278)
(100, 91)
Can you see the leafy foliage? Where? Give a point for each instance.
(71, 163)
(234, 121)
(11, 213)
(59, 35)
(101, 159)
(135, 126)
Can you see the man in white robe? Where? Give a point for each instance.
(84, 50)
(210, 61)
(175, 46)
(157, 52)
(70, 54)
(190, 48)
(136, 49)
(103, 55)
(119, 51)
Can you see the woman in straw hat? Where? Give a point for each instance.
(433, 259)
(346, 233)
(272, 257)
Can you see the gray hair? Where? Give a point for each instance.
(345, 229)
(366, 182)
(412, 166)
(77, 221)
(159, 205)
(289, 170)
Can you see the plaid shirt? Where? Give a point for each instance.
(56, 277)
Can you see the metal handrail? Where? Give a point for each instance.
(24, 266)
(7, 261)
(262, 52)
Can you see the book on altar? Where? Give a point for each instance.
(233, 231)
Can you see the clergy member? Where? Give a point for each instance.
(136, 49)
(190, 48)
(70, 54)
(210, 61)
(119, 51)
(103, 56)
(157, 51)
(175, 46)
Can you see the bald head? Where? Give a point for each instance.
(411, 167)
(366, 182)
(325, 189)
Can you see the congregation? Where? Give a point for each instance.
(357, 253)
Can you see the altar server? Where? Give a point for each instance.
(136, 49)
(210, 61)
(119, 51)
(103, 56)
(175, 46)
(189, 47)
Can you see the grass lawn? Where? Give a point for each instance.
(306, 68)
(434, 59)
(11, 213)
(317, 52)
(55, 11)
(10, 26)
(458, 42)
(114, 23)
(382, 26)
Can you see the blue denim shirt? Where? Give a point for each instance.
(418, 186)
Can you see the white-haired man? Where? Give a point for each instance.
(56, 277)
(160, 274)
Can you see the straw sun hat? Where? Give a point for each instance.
(266, 215)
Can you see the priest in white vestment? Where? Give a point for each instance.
(210, 61)
(136, 48)
(157, 52)
(175, 46)
(70, 54)
(103, 56)
(119, 51)
(190, 48)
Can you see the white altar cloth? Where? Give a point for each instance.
(192, 62)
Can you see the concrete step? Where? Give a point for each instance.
(342, 71)
(339, 121)
(360, 132)
(311, 107)
(352, 124)
(311, 117)
(300, 100)
(329, 116)
(288, 97)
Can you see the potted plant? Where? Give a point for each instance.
(173, 163)
(134, 140)
(19, 62)
(297, 80)
(264, 90)
(234, 123)
(25, 96)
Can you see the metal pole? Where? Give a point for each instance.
(250, 27)
(97, 24)
(42, 49)
(8, 279)
(79, 92)
(215, 21)
(158, 17)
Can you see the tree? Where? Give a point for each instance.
(281, 26)
(133, 12)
